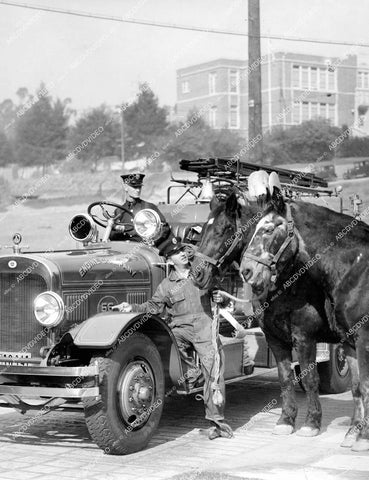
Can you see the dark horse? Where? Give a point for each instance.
(299, 246)
(297, 318)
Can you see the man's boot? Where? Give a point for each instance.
(220, 429)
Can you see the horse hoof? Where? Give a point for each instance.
(308, 432)
(283, 430)
(349, 440)
(361, 445)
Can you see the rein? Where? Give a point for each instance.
(272, 262)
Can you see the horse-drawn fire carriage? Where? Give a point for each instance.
(62, 347)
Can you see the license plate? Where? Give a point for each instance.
(14, 355)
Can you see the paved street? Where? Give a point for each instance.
(58, 445)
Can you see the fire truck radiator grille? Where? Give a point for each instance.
(19, 328)
(136, 297)
(76, 308)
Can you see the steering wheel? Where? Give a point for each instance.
(103, 222)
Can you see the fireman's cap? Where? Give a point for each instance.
(171, 246)
(133, 179)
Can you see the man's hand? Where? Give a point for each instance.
(217, 297)
(123, 307)
(119, 228)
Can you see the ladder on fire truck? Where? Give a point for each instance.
(237, 171)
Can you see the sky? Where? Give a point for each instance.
(96, 61)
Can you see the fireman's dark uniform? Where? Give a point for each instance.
(135, 180)
(129, 231)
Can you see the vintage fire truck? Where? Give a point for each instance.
(62, 345)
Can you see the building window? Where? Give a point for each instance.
(323, 110)
(296, 112)
(185, 87)
(313, 78)
(305, 111)
(314, 110)
(305, 77)
(296, 82)
(363, 80)
(234, 117)
(234, 81)
(213, 117)
(323, 78)
(212, 83)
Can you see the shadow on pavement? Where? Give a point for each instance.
(181, 415)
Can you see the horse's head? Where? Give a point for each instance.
(220, 241)
(272, 247)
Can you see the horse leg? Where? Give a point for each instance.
(283, 356)
(306, 354)
(358, 415)
(362, 349)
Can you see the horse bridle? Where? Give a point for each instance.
(272, 262)
(219, 262)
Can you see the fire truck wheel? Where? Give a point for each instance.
(126, 415)
(334, 374)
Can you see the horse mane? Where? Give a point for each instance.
(332, 223)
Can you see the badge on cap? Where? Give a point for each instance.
(174, 240)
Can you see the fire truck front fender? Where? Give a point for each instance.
(106, 329)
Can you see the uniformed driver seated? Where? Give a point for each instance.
(132, 185)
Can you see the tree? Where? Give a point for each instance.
(95, 135)
(353, 147)
(41, 128)
(144, 122)
(6, 150)
(305, 143)
(194, 138)
(8, 117)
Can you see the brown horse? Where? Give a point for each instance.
(296, 318)
(299, 246)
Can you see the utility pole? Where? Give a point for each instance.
(122, 137)
(255, 120)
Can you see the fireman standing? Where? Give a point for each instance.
(191, 323)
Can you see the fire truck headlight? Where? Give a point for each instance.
(147, 224)
(48, 308)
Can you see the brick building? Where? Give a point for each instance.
(295, 87)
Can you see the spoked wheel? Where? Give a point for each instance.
(126, 415)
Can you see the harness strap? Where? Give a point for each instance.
(267, 262)
(272, 262)
(234, 244)
(208, 259)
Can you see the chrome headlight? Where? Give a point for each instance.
(48, 308)
(147, 224)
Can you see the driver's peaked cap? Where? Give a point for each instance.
(133, 179)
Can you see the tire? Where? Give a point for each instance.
(121, 422)
(334, 374)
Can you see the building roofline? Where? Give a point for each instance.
(214, 62)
